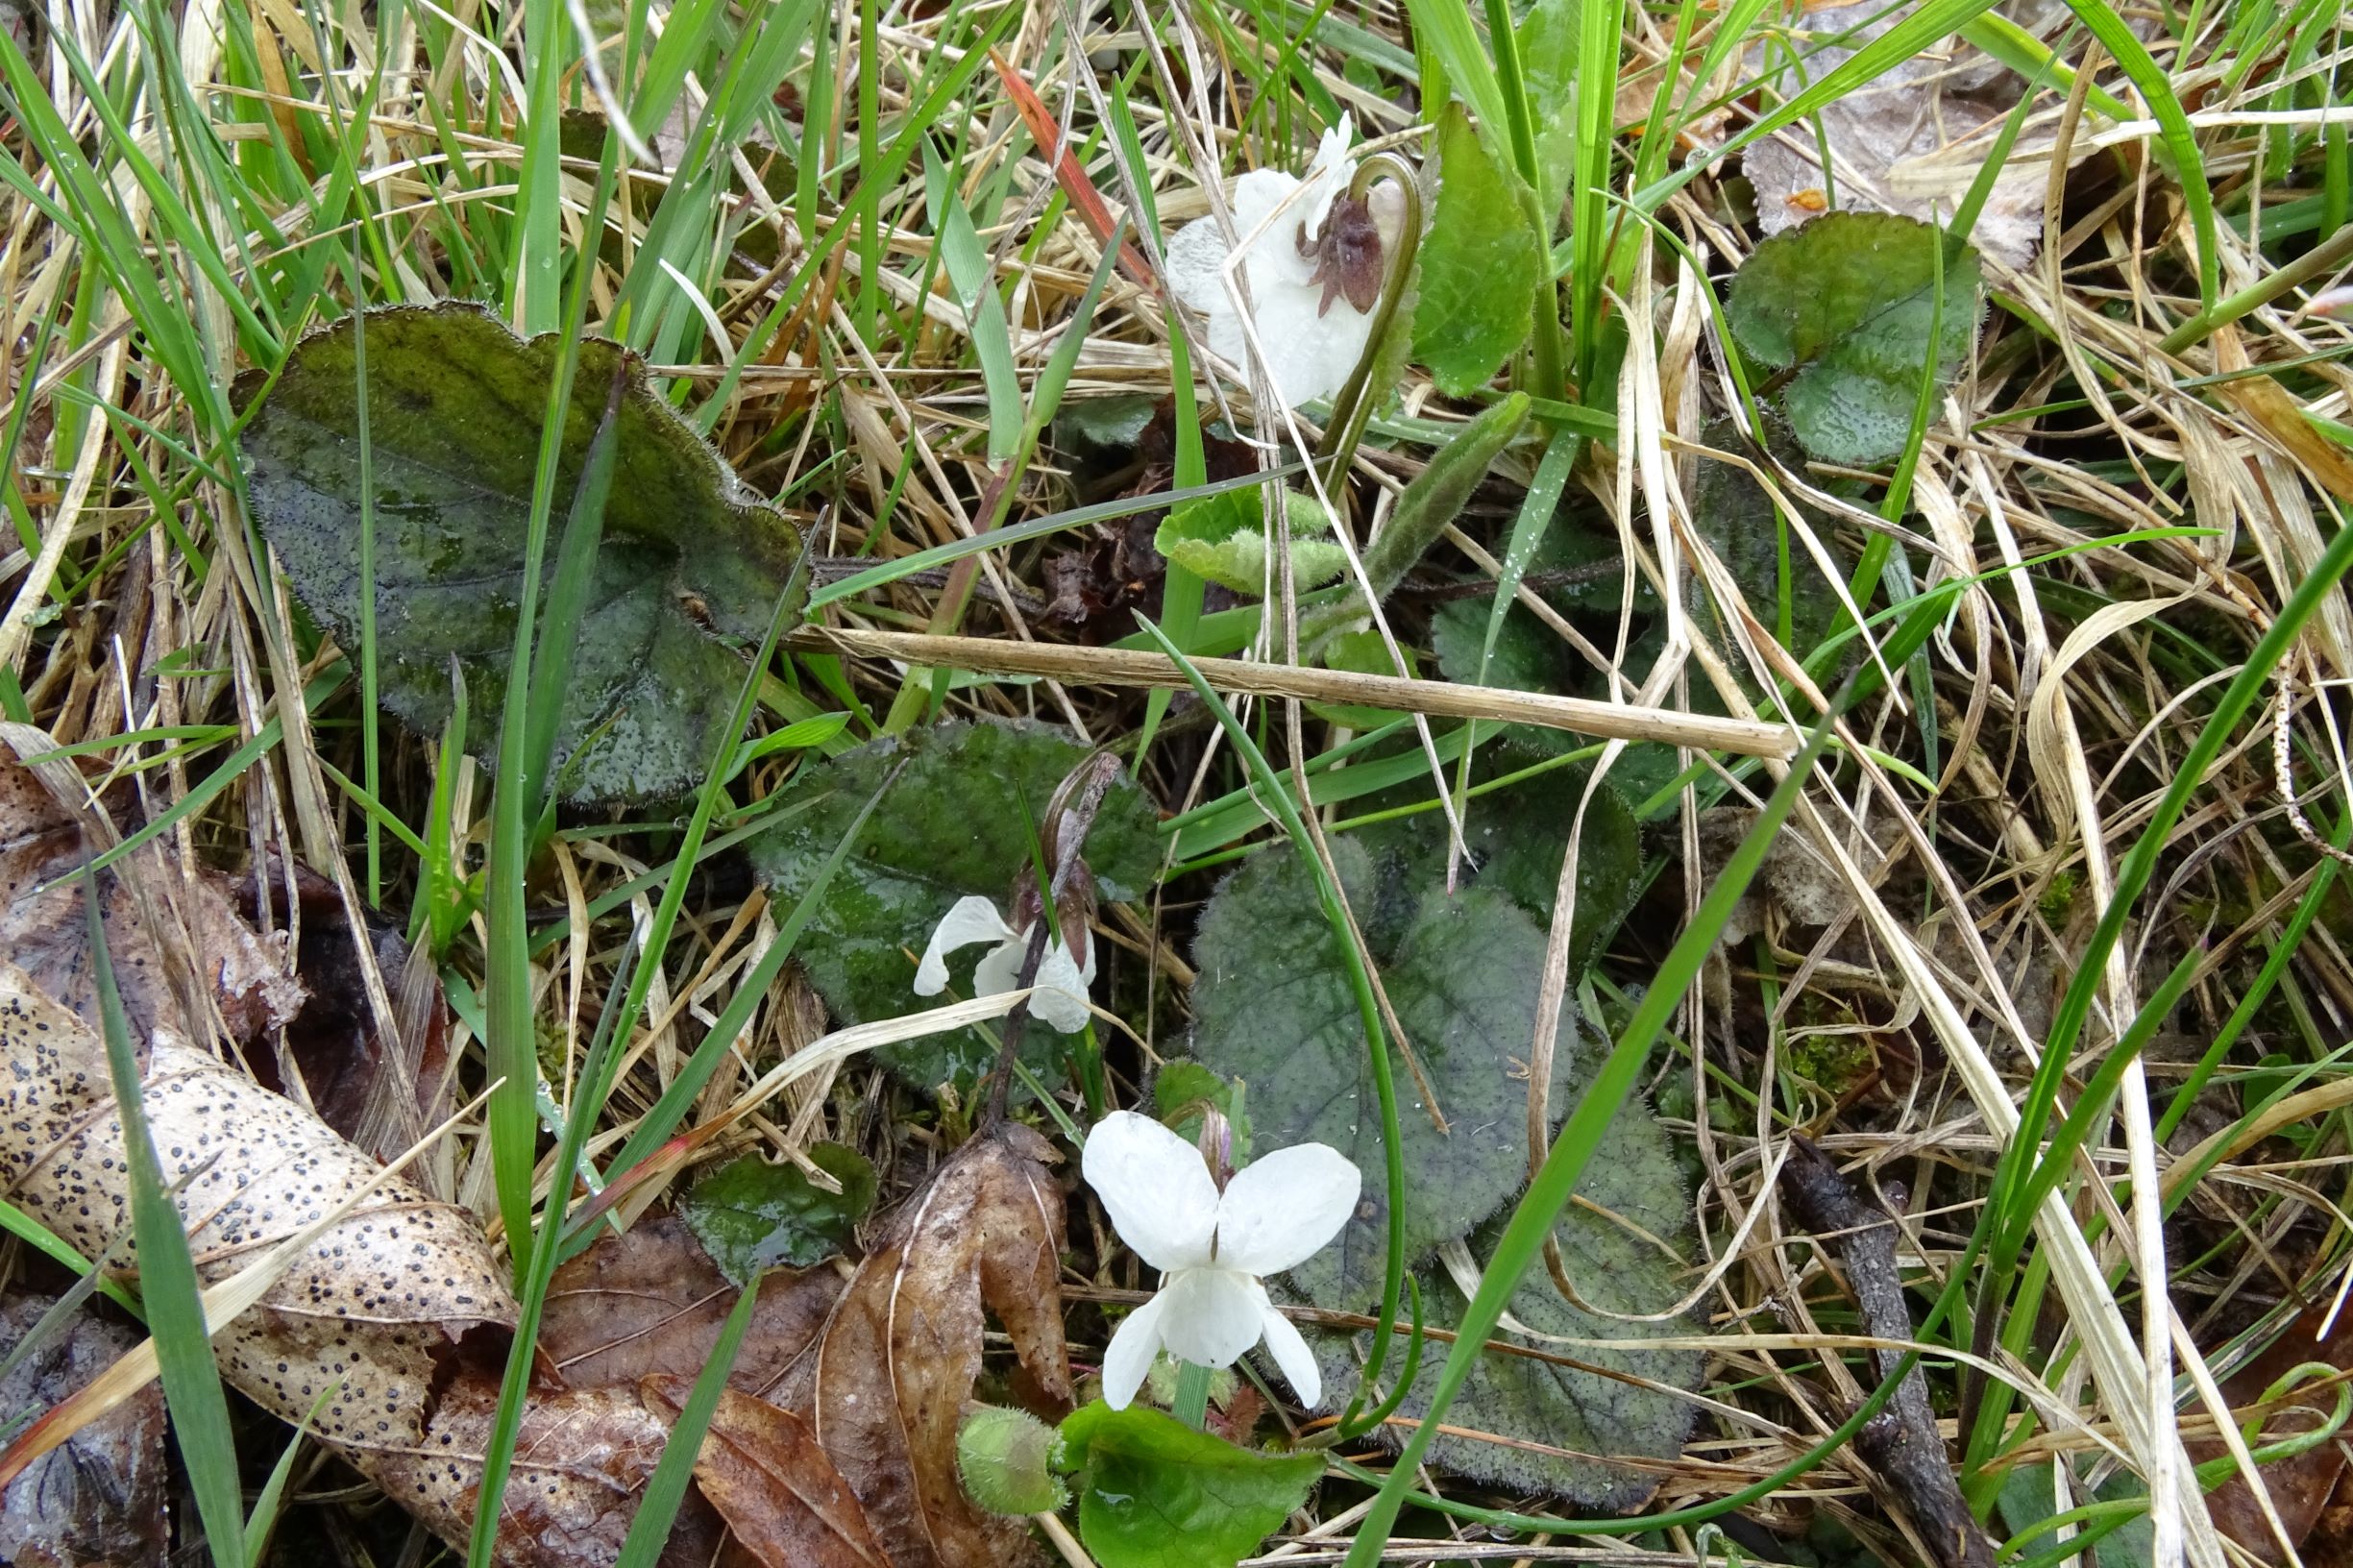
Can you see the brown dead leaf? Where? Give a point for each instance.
(101, 1497)
(650, 1301)
(765, 1474)
(162, 928)
(582, 1462)
(891, 1379)
(2299, 1487)
(353, 1074)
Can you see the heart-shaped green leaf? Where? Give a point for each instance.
(690, 572)
(1480, 265)
(752, 1216)
(1848, 300)
(956, 822)
(1154, 1493)
(1517, 839)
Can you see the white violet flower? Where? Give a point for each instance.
(1314, 273)
(1212, 1247)
(1061, 995)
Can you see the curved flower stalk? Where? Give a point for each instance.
(1314, 253)
(1213, 1247)
(1059, 999)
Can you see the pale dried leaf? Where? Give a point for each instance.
(378, 1302)
(1908, 141)
(891, 1379)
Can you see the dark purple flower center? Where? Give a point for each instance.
(1347, 254)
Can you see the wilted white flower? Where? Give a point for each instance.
(1314, 273)
(1061, 997)
(1212, 1247)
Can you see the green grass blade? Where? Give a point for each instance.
(1444, 28)
(2139, 866)
(1555, 1183)
(42, 1239)
(1934, 21)
(2117, 38)
(264, 1518)
(1601, 29)
(969, 274)
(1182, 590)
(1360, 979)
(168, 1283)
(666, 1487)
(535, 270)
(669, 1110)
(518, 797)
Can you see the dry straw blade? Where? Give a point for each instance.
(1123, 667)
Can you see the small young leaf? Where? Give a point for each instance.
(1846, 302)
(691, 567)
(1224, 540)
(752, 1216)
(1184, 1089)
(1480, 265)
(1546, 1418)
(1154, 1493)
(956, 822)
(1548, 63)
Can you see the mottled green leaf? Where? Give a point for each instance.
(1552, 1427)
(1224, 540)
(1093, 428)
(752, 1216)
(1154, 1493)
(1739, 520)
(690, 572)
(1847, 302)
(1579, 572)
(1273, 1008)
(956, 822)
(1480, 265)
(1529, 656)
(1517, 838)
